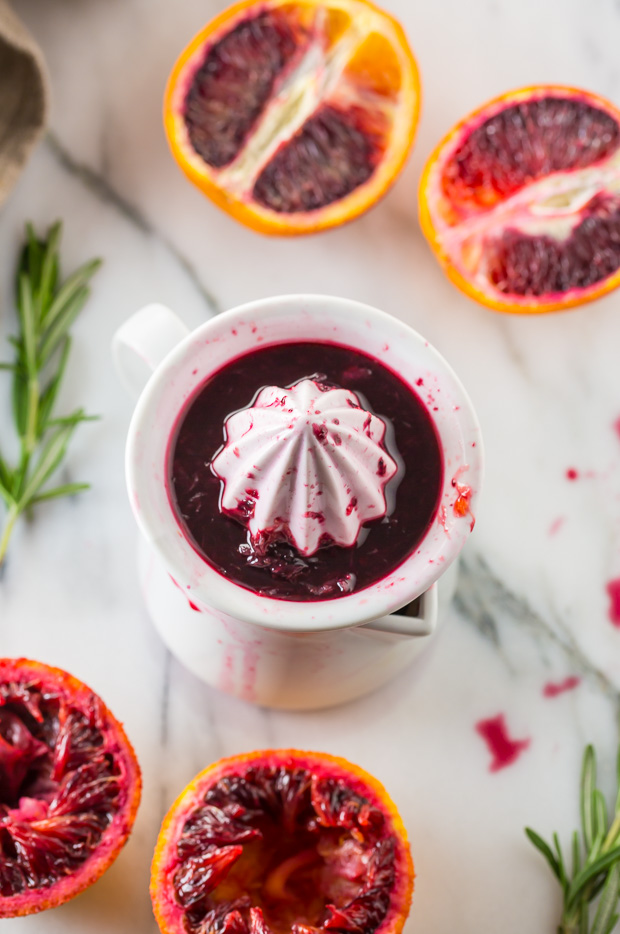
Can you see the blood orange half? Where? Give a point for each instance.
(521, 200)
(69, 787)
(282, 841)
(294, 116)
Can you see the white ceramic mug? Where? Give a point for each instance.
(274, 652)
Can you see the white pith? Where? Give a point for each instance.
(551, 206)
(319, 78)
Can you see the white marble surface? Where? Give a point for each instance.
(531, 605)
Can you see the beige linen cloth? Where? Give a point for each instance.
(23, 97)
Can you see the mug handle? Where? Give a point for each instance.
(142, 342)
(399, 624)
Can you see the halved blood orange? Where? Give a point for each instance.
(69, 787)
(521, 200)
(282, 841)
(294, 115)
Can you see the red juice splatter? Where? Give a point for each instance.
(556, 525)
(617, 426)
(192, 606)
(571, 474)
(505, 751)
(613, 592)
(552, 689)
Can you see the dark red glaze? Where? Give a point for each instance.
(283, 851)
(59, 786)
(277, 569)
(552, 689)
(504, 750)
(572, 474)
(613, 592)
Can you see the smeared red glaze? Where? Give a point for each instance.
(613, 592)
(192, 606)
(572, 474)
(505, 751)
(617, 426)
(552, 689)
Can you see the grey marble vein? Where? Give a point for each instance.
(99, 185)
(482, 599)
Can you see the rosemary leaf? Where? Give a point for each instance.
(62, 323)
(617, 808)
(20, 400)
(69, 489)
(6, 495)
(546, 851)
(68, 290)
(589, 873)
(28, 322)
(51, 456)
(594, 883)
(46, 310)
(561, 867)
(576, 854)
(48, 396)
(588, 784)
(606, 916)
(49, 272)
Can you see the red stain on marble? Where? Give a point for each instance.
(504, 750)
(572, 474)
(613, 592)
(552, 689)
(556, 525)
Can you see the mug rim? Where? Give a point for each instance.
(202, 582)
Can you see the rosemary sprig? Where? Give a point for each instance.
(46, 310)
(594, 876)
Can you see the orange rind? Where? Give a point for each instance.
(294, 117)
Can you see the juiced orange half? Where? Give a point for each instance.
(282, 842)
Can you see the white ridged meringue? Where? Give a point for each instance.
(303, 464)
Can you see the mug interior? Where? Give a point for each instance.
(305, 318)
